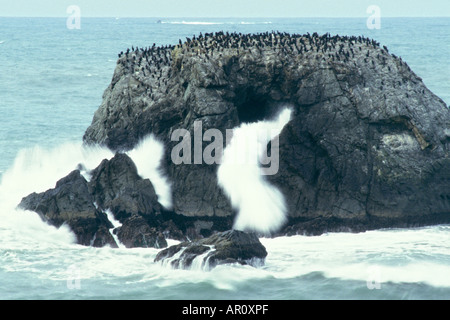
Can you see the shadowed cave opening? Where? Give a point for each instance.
(255, 106)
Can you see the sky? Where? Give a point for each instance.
(227, 8)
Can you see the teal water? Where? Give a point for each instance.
(51, 82)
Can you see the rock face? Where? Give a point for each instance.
(71, 202)
(136, 232)
(367, 146)
(115, 186)
(226, 247)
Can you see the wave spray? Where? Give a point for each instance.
(261, 207)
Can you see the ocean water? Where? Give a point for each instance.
(51, 82)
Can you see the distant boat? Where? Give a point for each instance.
(159, 21)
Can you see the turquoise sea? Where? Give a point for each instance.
(51, 82)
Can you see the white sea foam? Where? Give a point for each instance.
(147, 156)
(36, 170)
(261, 207)
(389, 256)
(116, 224)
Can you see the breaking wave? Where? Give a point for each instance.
(261, 207)
(38, 169)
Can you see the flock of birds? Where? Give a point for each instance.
(153, 65)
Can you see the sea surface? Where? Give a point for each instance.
(51, 82)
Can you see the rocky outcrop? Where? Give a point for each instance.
(367, 146)
(114, 186)
(136, 232)
(71, 203)
(221, 248)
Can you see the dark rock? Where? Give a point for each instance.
(114, 185)
(367, 145)
(183, 228)
(172, 231)
(235, 246)
(360, 162)
(221, 248)
(103, 238)
(71, 203)
(135, 232)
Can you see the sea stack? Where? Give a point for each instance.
(367, 145)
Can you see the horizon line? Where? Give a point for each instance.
(206, 17)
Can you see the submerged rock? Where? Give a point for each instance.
(231, 246)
